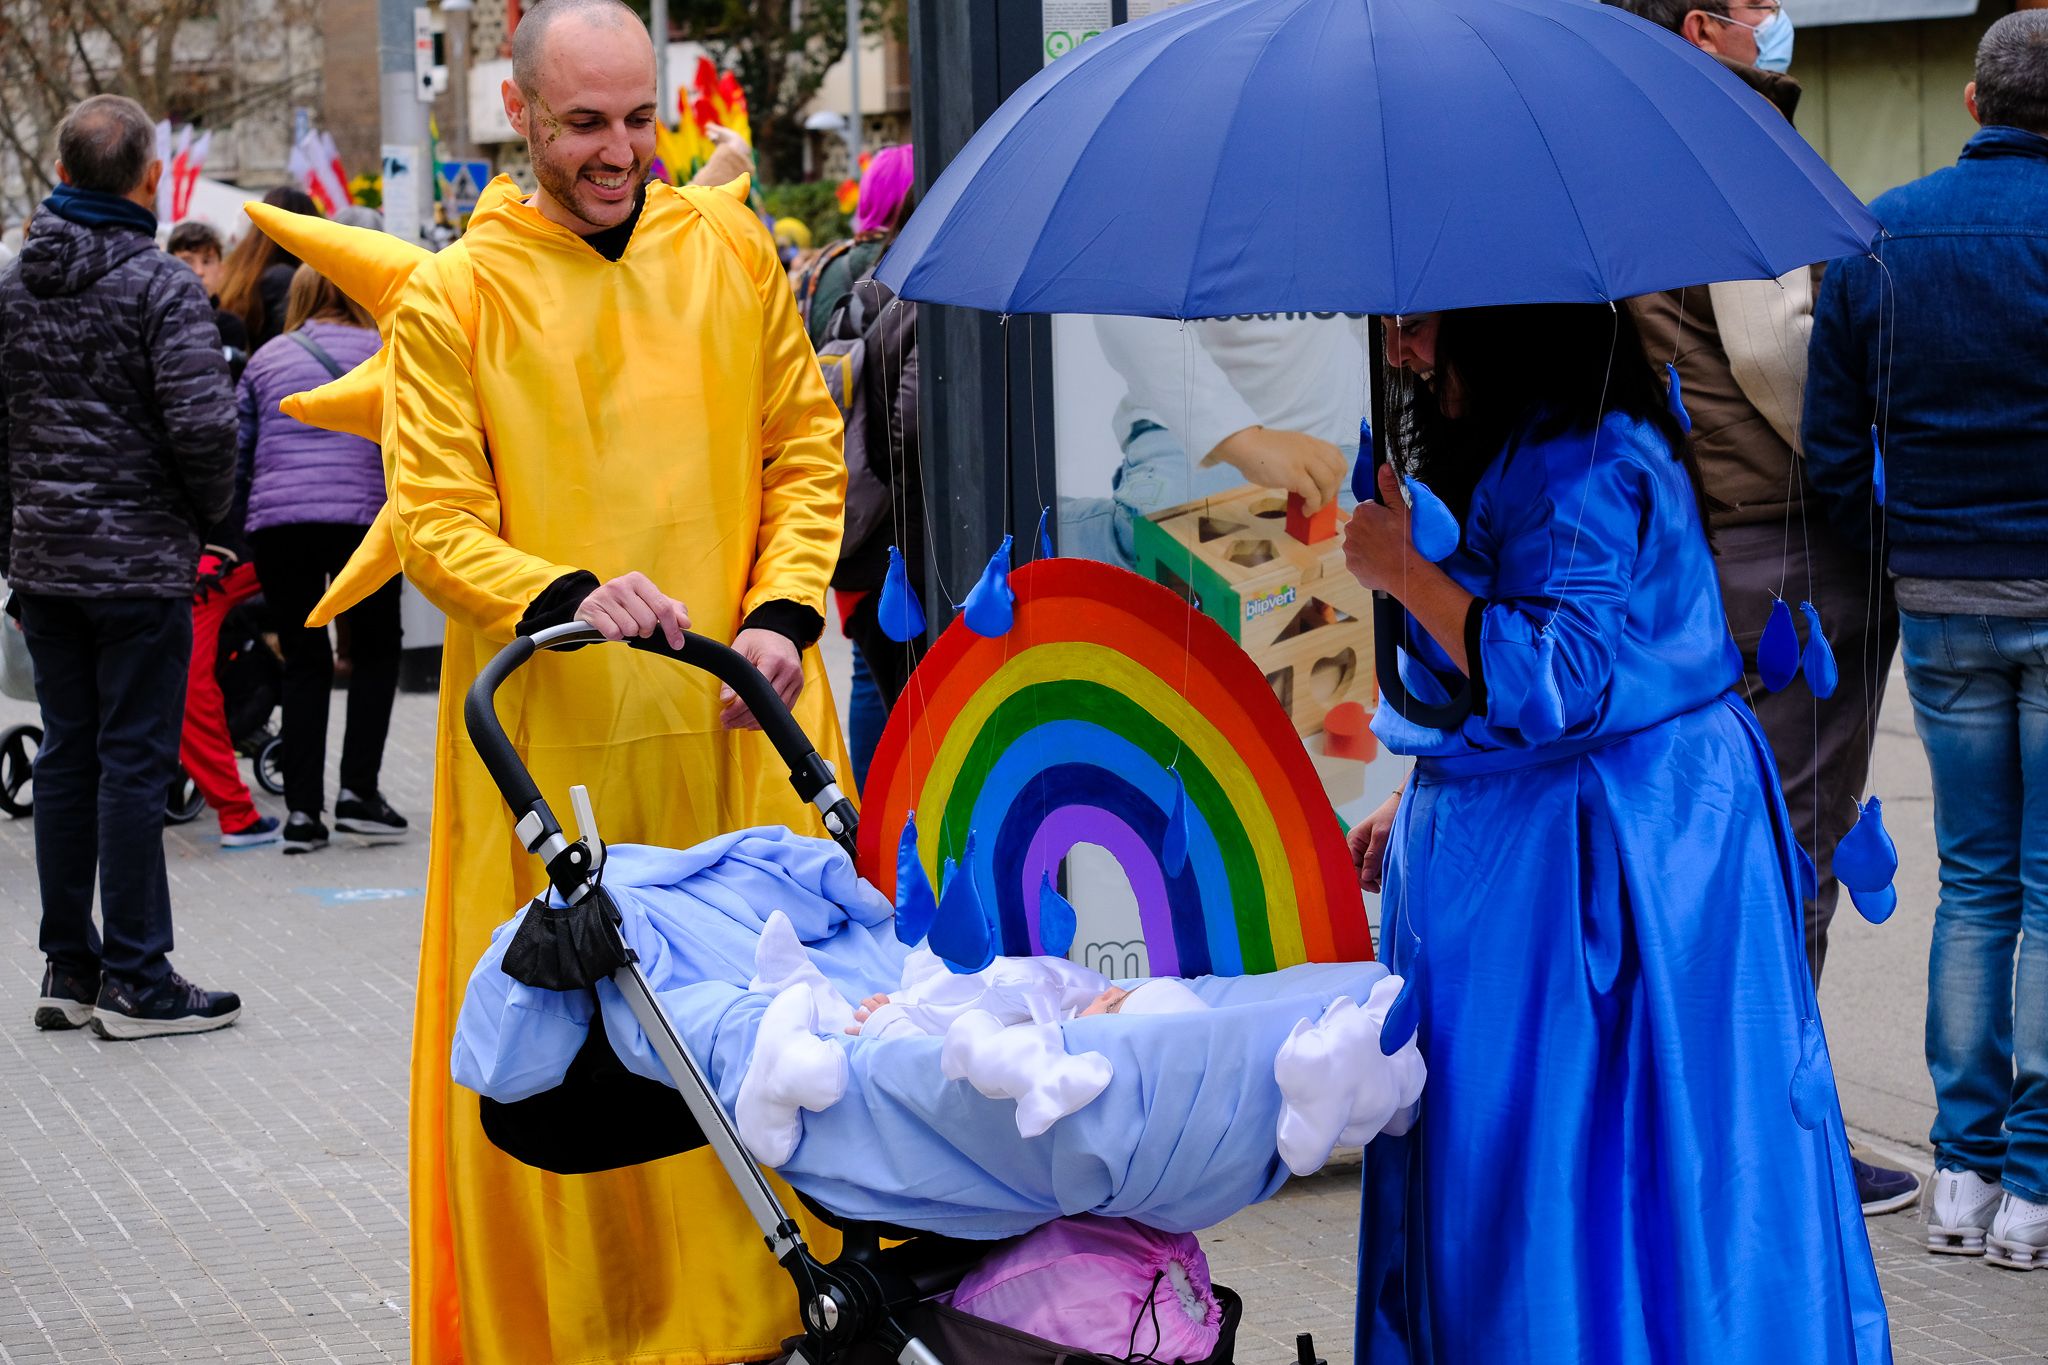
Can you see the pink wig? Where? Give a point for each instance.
(888, 178)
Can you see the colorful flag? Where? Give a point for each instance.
(183, 175)
(315, 164)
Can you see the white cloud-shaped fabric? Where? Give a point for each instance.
(1337, 1088)
(1027, 1063)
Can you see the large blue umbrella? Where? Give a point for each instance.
(1377, 156)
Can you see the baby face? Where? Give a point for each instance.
(1109, 1002)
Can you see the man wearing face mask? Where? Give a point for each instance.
(600, 405)
(1740, 350)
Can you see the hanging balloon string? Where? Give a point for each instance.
(1870, 666)
(1592, 459)
(1187, 417)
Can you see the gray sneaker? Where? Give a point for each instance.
(1960, 1206)
(2019, 1235)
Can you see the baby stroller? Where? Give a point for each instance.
(871, 1304)
(251, 681)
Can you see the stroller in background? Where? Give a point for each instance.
(252, 684)
(872, 1304)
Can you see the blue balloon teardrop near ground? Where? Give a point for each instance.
(1056, 919)
(915, 904)
(1777, 654)
(1404, 1016)
(1876, 467)
(1543, 715)
(1674, 398)
(1813, 1079)
(1430, 524)
(1807, 876)
(960, 934)
(1173, 847)
(1876, 906)
(899, 613)
(1866, 859)
(1363, 474)
(1045, 533)
(1818, 662)
(991, 605)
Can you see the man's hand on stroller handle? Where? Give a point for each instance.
(776, 655)
(631, 607)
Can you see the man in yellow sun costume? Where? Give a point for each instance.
(600, 404)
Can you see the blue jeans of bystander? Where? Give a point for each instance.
(1980, 701)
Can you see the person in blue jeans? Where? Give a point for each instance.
(1943, 344)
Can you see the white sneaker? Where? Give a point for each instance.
(2019, 1235)
(1960, 1205)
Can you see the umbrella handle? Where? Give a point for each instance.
(1390, 621)
(569, 864)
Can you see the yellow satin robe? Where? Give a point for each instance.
(662, 413)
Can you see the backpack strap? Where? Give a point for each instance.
(319, 353)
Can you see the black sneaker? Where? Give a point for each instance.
(370, 816)
(172, 1005)
(67, 998)
(303, 833)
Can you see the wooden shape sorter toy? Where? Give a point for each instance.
(1293, 607)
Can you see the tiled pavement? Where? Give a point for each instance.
(240, 1197)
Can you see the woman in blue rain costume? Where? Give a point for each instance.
(1630, 1148)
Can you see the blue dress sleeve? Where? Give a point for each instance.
(1568, 521)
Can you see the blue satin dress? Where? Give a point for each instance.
(1630, 1148)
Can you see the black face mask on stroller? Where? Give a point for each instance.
(869, 1304)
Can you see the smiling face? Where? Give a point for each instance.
(588, 120)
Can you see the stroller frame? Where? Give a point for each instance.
(848, 1304)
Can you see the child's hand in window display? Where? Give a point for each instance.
(1288, 460)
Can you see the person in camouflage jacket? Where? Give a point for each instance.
(117, 430)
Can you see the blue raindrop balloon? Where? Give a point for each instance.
(990, 607)
(1822, 677)
(915, 905)
(1543, 715)
(1056, 919)
(1876, 906)
(899, 613)
(1876, 467)
(1404, 1016)
(1430, 524)
(1045, 533)
(960, 935)
(1674, 398)
(1173, 847)
(1777, 655)
(1364, 476)
(1813, 1079)
(1866, 859)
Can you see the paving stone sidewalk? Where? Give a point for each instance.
(241, 1196)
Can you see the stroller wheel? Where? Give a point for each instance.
(185, 801)
(18, 748)
(270, 767)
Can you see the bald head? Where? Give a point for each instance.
(533, 38)
(582, 95)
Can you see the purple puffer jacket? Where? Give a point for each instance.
(299, 473)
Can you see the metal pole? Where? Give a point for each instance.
(853, 83)
(406, 182)
(657, 29)
(457, 16)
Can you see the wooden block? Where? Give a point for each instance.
(1310, 530)
(1320, 669)
(1347, 733)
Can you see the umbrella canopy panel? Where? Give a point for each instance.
(1378, 156)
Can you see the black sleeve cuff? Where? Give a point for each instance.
(1475, 619)
(558, 601)
(802, 625)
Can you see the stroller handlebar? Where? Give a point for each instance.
(809, 774)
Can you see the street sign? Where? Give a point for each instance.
(461, 184)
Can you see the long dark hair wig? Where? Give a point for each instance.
(1526, 372)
